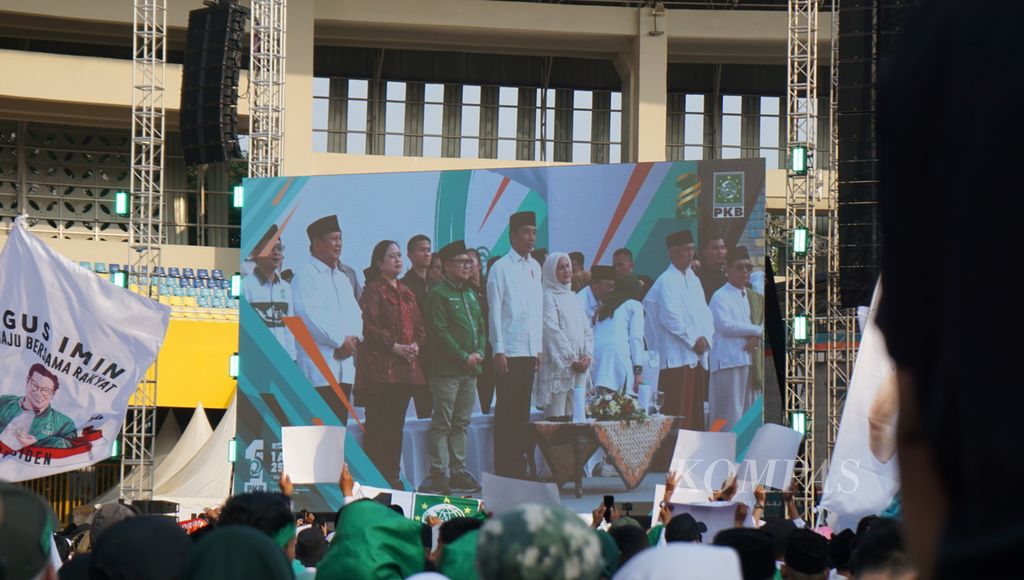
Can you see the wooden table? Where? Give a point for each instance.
(629, 447)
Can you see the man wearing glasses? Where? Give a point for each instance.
(735, 338)
(267, 292)
(30, 420)
(458, 339)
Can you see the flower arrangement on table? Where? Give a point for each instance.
(615, 406)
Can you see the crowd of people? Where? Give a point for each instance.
(532, 327)
(256, 535)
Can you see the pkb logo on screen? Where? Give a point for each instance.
(728, 195)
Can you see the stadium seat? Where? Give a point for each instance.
(173, 272)
(114, 268)
(203, 301)
(177, 300)
(202, 273)
(159, 271)
(184, 282)
(100, 268)
(190, 291)
(188, 273)
(226, 284)
(218, 302)
(218, 275)
(165, 300)
(86, 265)
(134, 288)
(179, 291)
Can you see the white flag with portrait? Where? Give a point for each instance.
(73, 347)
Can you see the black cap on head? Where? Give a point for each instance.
(141, 547)
(310, 546)
(754, 548)
(682, 237)
(683, 528)
(602, 273)
(779, 529)
(737, 253)
(520, 219)
(840, 549)
(323, 226)
(451, 250)
(807, 552)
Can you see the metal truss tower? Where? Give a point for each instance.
(801, 190)
(266, 79)
(145, 234)
(841, 323)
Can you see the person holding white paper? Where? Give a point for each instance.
(568, 340)
(680, 328)
(729, 392)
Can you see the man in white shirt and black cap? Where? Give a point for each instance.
(325, 301)
(515, 323)
(679, 327)
(268, 293)
(735, 338)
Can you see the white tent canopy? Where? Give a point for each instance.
(196, 434)
(183, 447)
(206, 479)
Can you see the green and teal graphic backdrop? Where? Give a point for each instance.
(594, 209)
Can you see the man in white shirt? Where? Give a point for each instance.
(729, 392)
(602, 283)
(515, 323)
(325, 301)
(267, 292)
(679, 327)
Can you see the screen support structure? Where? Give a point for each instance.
(801, 191)
(267, 76)
(145, 234)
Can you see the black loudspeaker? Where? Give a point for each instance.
(155, 507)
(867, 29)
(209, 88)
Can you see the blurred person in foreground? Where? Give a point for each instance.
(956, 363)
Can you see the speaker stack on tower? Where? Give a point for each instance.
(867, 30)
(209, 89)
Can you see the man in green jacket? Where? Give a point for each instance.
(458, 339)
(30, 420)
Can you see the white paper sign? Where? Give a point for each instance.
(702, 459)
(716, 515)
(398, 497)
(502, 494)
(313, 454)
(771, 456)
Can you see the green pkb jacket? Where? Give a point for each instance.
(51, 428)
(455, 328)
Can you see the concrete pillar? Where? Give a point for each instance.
(298, 90)
(644, 73)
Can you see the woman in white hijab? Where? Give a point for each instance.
(568, 343)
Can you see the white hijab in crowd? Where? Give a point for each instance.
(567, 333)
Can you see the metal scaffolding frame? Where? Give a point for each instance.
(266, 81)
(145, 234)
(801, 191)
(840, 322)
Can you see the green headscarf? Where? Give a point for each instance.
(538, 542)
(458, 561)
(610, 553)
(626, 288)
(372, 541)
(236, 552)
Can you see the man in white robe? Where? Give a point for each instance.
(729, 392)
(325, 301)
(678, 325)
